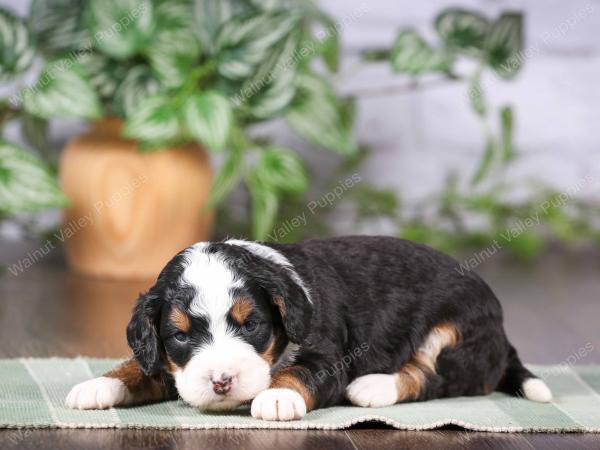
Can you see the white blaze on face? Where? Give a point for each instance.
(225, 353)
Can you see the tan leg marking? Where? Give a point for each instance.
(411, 378)
(409, 382)
(142, 388)
(288, 378)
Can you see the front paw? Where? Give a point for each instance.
(98, 393)
(278, 404)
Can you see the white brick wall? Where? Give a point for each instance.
(419, 136)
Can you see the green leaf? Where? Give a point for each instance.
(228, 177)
(328, 41)
(320, 117)
(506, 131)
(281, 168)
(411, 55)
(16, 46)
(121, 28)
(373, 202)
(461, 29)
(63, 90)
(208, 118)
(504, 44)
(35, 131)
(487, 202)
(329, 48)
(104, 73)
(243, 42)
(210, 15)
(59, 25)
(417, 232)
(435, 237)
(265, 204)
(273, 86)
(347, 108)
(476, 239)
(25, 183)
(174, 49)
(139, 84)
(327, 35)
(562, 225)
(269, 5)
(155, 122)
(476, 96)
(527, 245)
(485, 164)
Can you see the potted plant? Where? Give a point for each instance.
(167, 85)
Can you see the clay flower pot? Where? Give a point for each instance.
(130, 211)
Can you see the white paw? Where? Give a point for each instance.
(536, 390)
(97, 393)
(278, 404)
(375, 390)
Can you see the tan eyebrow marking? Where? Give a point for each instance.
(181, 320)
(241, 309)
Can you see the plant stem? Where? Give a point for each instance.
(375, 54)
(411, 86)
(197, 75)
(7, 113)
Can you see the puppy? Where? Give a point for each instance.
(291, 328)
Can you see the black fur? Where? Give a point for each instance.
(380, 295)
(388, 293)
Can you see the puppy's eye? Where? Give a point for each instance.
(180, 337)
(249, 326)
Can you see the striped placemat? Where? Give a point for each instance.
(32, 392)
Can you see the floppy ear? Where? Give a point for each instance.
(288, 296)
(295, 311)
(142, 332)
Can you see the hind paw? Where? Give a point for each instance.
(375, 390)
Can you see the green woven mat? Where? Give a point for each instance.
(32, 392)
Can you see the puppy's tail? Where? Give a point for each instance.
(517, 380)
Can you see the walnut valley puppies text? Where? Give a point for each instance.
(313, 207)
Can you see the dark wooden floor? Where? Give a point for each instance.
(380, 439)
(552, 311)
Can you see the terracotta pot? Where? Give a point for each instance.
(131, 212)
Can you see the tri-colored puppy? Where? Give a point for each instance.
(291, 328)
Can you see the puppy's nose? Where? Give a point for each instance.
(222, 383)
